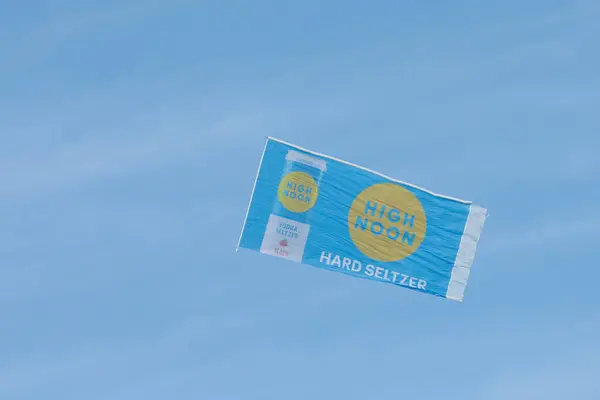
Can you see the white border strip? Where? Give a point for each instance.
(252, 194)
(466, 253)
(369, 170)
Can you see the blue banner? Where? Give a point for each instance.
(317, 210)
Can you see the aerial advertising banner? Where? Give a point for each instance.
(317, 210)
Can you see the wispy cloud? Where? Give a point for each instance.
(111, 152)
(104, 155)
(147, 139)
(107, 361)
(568, 369)
(192, 346)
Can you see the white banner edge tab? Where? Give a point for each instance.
(466, 253)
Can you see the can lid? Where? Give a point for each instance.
(296, 156)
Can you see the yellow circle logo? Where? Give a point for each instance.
(298, 191)
(387, 222)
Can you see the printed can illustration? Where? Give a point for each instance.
(288, 227)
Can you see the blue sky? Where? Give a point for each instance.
(130, 136)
